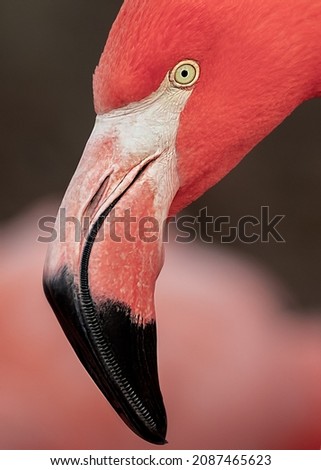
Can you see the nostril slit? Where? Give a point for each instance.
(94, 203)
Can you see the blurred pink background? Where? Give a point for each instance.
(239, 325)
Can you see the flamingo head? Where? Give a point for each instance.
(182, 92)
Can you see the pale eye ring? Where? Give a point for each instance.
(185, 73)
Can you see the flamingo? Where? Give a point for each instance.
(183, 91)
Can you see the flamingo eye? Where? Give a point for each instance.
(185, 73)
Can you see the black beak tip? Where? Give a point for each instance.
(159, 439)
(134, 352)
(162, 442)
(153, 434)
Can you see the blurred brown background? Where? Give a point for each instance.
(48, 53)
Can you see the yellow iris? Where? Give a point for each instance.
(185, 74)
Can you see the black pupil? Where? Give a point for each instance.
(185, 73)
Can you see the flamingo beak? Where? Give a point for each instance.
(100, 272)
